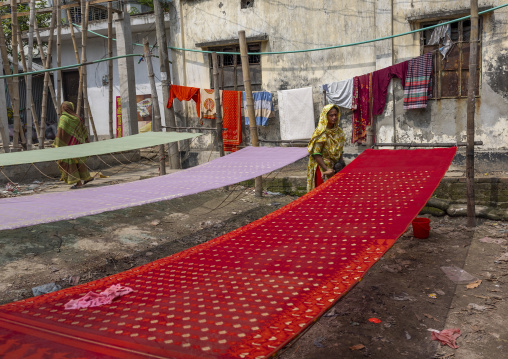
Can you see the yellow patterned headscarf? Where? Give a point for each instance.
(322, 126)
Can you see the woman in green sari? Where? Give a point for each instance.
(72, 131)
(325, 147)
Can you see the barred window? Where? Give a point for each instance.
(230, 67)
(451, 73)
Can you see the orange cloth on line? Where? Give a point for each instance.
(184, 93)
(232, 120)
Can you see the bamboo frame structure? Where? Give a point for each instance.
(81, 69)
(42, 130)
(84, 37)
(156, 112)
(218, 107)
(4, 134)
(7, 69)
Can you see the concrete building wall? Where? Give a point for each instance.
(300, 24)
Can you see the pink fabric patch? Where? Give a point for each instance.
(92, 299)
(447, 336)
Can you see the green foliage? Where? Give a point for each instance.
(43, 21)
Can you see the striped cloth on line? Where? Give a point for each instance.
(418, 86)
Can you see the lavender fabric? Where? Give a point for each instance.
(250, 162)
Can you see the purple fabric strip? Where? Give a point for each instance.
(245, 164)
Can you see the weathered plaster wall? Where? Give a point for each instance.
(300, 24)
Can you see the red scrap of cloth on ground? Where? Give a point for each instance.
(362, 116)
(184, 93)
(231, 120)
(249, 292)
(380, 81)
(447, 337)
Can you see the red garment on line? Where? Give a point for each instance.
(319, 178)
(184, 93)
(362, 116)
(231, 120)
(380, 81)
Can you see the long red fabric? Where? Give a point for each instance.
(249, 292)
(184, 93)
(231, 120)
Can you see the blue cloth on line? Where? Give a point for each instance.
(263, 107)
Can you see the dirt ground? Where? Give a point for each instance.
(406, 290)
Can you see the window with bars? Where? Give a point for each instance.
(94, 13)
(451, 73)
(230, 68)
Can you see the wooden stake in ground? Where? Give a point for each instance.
(110, 68)
(218, 107)
(58, 55)
(471, 107)
(42, 130)
(156, 122)
(250, 103)
(18, 130)
(4, 125)
(169, 113)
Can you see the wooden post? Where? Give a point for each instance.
(42, 130)
(86, 107)
(471, 107)
(30, 107)
(73, 37)
(58, 55)
(7, 70)
(218, 107)
(250, 103)
(80, 85)
(43, 59)
(169, 113)
(110, 68)
(18, 130)
(156, 121)
(4, 125)
(324, 98)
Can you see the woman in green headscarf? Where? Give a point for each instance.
(72, 131)
(325, 147)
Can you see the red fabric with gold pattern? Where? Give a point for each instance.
(249, 292)
(232, 120)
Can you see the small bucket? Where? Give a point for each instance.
(421, 227)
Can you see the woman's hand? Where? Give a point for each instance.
(329, 172)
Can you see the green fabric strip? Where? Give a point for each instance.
(127, 143)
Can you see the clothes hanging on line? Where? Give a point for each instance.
(380, 82)
(184, 93)
(418, 86)
(207, 103)
(231, 120)
(263, 107)
(362, 116)
(444, 33)
(340, 93)
(296, 113)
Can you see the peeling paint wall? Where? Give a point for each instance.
(301, 24)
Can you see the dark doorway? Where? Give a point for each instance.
(70, 86)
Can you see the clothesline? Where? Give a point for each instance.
(256, 53)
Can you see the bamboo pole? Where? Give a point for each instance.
(4, 124)
(58, 55)
(86, 107)
(169, 113)
(250, 103)
(7, 70)
(31, 116)
(471, 107)
(42, 131)
(218, 107)
(156, 121)
(18, 130)
(80, 85)
(43, 59)
(110, 68)
(78, 61)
